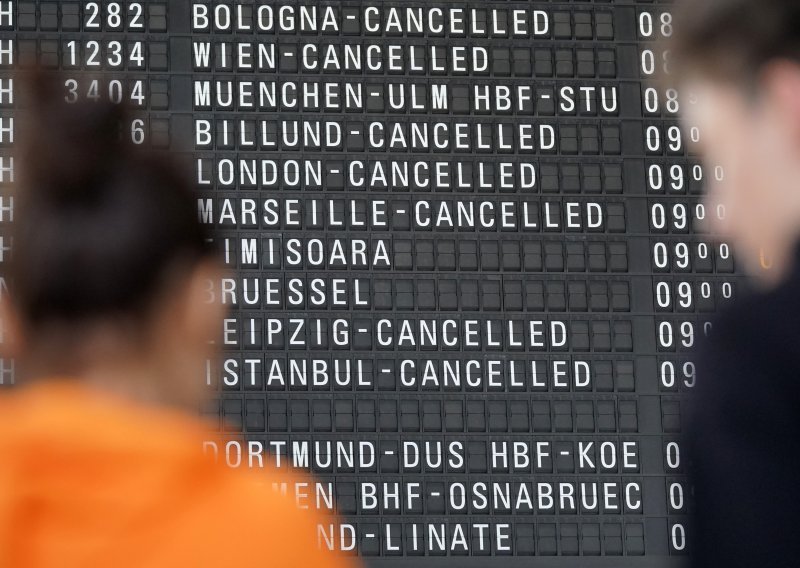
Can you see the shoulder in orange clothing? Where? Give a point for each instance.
(88, 479)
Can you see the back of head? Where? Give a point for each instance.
(731, 40)
(101, 224)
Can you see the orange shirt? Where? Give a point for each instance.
(88, 479)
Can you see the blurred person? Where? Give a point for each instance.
(109, 321)
(736, 64)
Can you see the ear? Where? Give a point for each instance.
(12, 341)
(200, 311)
(780, 82)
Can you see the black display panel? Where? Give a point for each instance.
(466, 277)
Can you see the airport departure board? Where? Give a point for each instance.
(466, 277)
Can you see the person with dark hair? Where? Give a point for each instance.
(109, 320)
(736, 64)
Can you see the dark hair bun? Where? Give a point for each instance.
(99, 221)
(70, 149)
